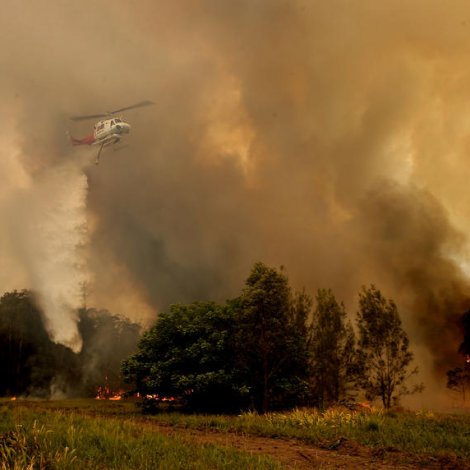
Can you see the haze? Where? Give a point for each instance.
(328, 137)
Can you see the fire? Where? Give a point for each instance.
(364, 404)
(155, 396)
(117, 396)
(12, 398)
(102, 393)
(105, 393)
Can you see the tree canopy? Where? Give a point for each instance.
(246, 353)
(384, 354)
(270, 343)
(332, 347)
(266, 349)
(187, 353)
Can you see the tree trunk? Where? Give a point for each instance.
(265, 403)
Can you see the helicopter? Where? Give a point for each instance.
(107, 131)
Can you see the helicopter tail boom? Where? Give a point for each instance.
(88, 140)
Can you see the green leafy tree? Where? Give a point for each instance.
(332, 347)
(187, 354)
(301, 313)
(384, 353)
(250, 352)
(270, 340)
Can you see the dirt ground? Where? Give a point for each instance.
(293, 454)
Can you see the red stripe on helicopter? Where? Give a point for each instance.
(88, 140)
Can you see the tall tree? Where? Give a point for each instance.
(384, 352)
(458, 379)
(465, 346)
(271, 347)
(332, 347)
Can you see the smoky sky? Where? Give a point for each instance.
(328, 137)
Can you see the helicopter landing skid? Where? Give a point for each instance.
(99, 153)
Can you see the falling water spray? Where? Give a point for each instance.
(49, 229)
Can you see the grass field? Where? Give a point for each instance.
(91, 434)
(33, 436)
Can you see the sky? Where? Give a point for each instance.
(327, 137)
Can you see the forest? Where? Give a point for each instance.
(270, 348)
(274, 348)
(34, 366)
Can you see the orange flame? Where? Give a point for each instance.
(117, 396)
(364, 404)
(104, 393)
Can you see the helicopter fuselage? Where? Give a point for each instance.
(110, 131)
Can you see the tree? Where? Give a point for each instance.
(271, 348)
(187, 354)
(332, 348)
(384, 354)
(107, 340)
(251, 351)
(458, 379)
(465, 346)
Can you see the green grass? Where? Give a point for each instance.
(33, 437)
(417, 433)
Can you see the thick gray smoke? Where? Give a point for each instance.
(329, 137)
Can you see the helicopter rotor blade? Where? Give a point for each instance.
(137, 105)
(110, 113)
(90, 116)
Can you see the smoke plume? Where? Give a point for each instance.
(329, 137)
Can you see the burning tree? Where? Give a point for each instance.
(384, 354)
